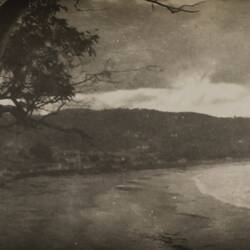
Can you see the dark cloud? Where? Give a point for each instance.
(215, 40)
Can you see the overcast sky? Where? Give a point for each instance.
(186, 62)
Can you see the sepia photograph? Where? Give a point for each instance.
(124, 125)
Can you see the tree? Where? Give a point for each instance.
(37, 52)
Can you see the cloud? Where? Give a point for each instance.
(220, 99)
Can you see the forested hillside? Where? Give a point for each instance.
(141, 135)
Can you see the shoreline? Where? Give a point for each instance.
(7, 176)
(228, 185)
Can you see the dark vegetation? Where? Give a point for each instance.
(139, 138)
(38, 51)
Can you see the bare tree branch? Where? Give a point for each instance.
(176, 9)
(53, 112)
(173, 9)
(106, 74)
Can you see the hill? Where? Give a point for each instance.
(145, 137)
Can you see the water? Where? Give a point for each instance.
(152, 209)
(229, 184)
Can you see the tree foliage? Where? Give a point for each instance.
(36, 63)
